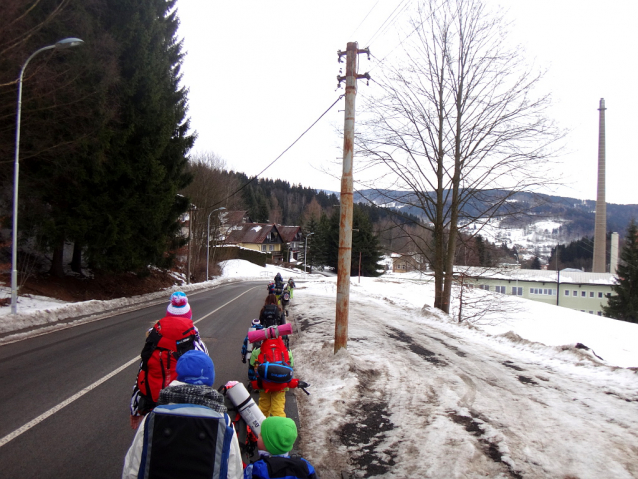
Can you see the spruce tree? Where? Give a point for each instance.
(135, 190)
(623, 303)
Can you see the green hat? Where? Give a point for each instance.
(279, 434)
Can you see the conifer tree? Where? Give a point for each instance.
(136, 187)
(623, 303)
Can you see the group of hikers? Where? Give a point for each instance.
(182, 424)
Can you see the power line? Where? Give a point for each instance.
(282, 154)
(364, 19)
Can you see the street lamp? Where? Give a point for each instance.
(62, 44)
(208, 239)
(305, 251)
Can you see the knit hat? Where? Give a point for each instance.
(256, 322)
(195, 367)
(179, 306)
(279, 434)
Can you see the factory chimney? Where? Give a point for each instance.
(600, 229)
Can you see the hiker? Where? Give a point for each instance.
(247, 348)
(271, 313)
(188, 434)
(286, 296)
(275, 441)
(278, 278)
(291, 286)
(272, 395)
(166, 341)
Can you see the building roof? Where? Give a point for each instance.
(538, 275)
(231, 218)
(255, 233)
(288, 233)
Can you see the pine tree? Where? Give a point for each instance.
(364, 241)
(135, 191)
(623, 304)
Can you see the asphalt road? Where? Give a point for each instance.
(89, 437)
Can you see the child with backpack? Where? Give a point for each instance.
(271, 313)
(188, 433)
(247, 348)
(275, 441)
(272, 357)
(166, 341)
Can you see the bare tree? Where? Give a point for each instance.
(457, 127)
(208, 192)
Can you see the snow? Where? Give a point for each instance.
(416, 394)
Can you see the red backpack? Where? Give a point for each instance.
(168, 340)
(274, 371)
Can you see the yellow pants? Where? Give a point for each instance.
(272, 403)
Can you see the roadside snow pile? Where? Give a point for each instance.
(417, 394)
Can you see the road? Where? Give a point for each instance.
(88, 438)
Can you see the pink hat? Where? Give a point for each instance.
(179, 306)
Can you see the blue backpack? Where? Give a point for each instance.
(185, 440)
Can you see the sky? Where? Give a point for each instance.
(508, 397)
(260, 73)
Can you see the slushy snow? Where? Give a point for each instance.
(416, 394)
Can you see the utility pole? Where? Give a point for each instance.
(345, 222)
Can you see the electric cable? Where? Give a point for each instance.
(282, 154)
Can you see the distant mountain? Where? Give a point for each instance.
(576, 216)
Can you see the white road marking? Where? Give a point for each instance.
(11, 436)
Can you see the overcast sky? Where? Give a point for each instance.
(261, 72)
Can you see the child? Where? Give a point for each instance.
(272, 396)
(247, 349)
(275, 441)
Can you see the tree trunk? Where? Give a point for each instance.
(76, 261)
(57, 263)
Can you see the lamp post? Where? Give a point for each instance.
(188, 260)
(208, 239)
(62, 44)
(305, 251)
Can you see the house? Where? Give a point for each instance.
(262, 237)
(404, 262)
(232, 220)
(293, 237)
(574, 289)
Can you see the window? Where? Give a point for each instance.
(272, 247)
(600, 313)
(500, 289)
(582, 310)
(517, 291)
(531, 290)
(566, 292)
(600, 295)
(583, 294)
(591, 294)
(574, 293)
(520, 291)
(486, 287)
(591, 312)
(264, 247)
(545, 291)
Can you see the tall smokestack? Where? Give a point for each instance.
(600, 230)
(613, 256)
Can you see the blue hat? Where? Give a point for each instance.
(195, 367)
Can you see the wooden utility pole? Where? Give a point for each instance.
(345, 223)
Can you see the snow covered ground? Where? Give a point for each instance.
(415, 394)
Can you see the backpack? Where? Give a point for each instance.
(285, 296)
(169, 338)
(270, 316)
(279, 287)
(185, 440)
(289, 467)
(274, 363)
